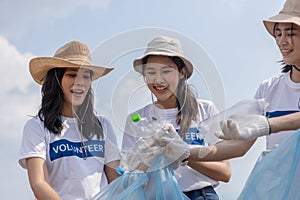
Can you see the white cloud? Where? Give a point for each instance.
(15, 67)
(17, 99)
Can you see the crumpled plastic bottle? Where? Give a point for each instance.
(209, 127)
(147, 131)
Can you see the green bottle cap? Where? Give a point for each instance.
(136, 117)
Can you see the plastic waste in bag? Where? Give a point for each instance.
(210, 126)
(276, 174)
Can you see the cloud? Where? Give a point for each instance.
(17, 87)
(17, 16)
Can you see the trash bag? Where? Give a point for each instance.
(129, 186)
(276, 175)
(161, 184)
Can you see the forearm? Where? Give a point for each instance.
(110, 170)
(283, 123)
(219, 171)
(42, 190)
(223, 150)
(39, 179)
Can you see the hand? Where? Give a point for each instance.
(176, 149)
(244, 127)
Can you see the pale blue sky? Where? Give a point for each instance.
(225, 39)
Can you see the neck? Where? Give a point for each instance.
(295, 75)
(68, 111)
(169, 103)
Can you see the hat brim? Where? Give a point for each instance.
(138, 62)
(280, 18)
(40, 66)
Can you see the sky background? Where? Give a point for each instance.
(225, 39)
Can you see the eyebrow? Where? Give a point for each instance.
(286, 29)
(72, 70)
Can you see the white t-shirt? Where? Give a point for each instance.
(283, 96)
(188, 178)
(70, 175)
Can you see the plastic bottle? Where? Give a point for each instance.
(212, 125)
(146, 131)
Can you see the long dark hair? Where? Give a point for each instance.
(186, 99)
(52, 104)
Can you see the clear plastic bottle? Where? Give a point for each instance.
(146, 131)
(212, 125)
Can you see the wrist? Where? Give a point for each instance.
(270, 128)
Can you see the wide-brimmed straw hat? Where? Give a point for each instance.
(164, 46)
(290, 13)
(71, 55)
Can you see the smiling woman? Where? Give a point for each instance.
(68, 151)
(166, 71)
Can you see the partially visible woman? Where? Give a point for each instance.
(69, 151)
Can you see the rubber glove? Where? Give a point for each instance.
(244, 127)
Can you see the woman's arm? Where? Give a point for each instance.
(110, 170)
(284, 123)
(39, 180)
(219, 171)
(223, 150)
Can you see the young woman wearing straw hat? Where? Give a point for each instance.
(166, 70)
(68, 150)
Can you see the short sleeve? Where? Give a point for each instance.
(112, 151)
(33, 141)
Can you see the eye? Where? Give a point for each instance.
(73, 75)
(87, 76)
(278, 34)
(149, 71)
(291, 34)
(167, 71)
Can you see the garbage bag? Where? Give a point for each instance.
(129, 186)
(162, 184)
(158, 183)
(276, 175)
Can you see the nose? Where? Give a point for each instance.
(159, 78)
(79, 81)
(282, 40)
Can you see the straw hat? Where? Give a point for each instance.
(71, 55)
(290, 13)
(163, 46)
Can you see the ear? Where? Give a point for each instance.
(182, 73)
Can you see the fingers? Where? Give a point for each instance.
(170, 129)
(230, 130)
(221, 135)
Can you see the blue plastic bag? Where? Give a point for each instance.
(161, 184)
(129, 186)
(276, 175)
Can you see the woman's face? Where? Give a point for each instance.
(287, 37)
(75, 85)
(162, 77)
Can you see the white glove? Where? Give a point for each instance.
(176, 149)
(244, 127)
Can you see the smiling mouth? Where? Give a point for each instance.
(286, 51)
(160, 88)
(77, 91)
